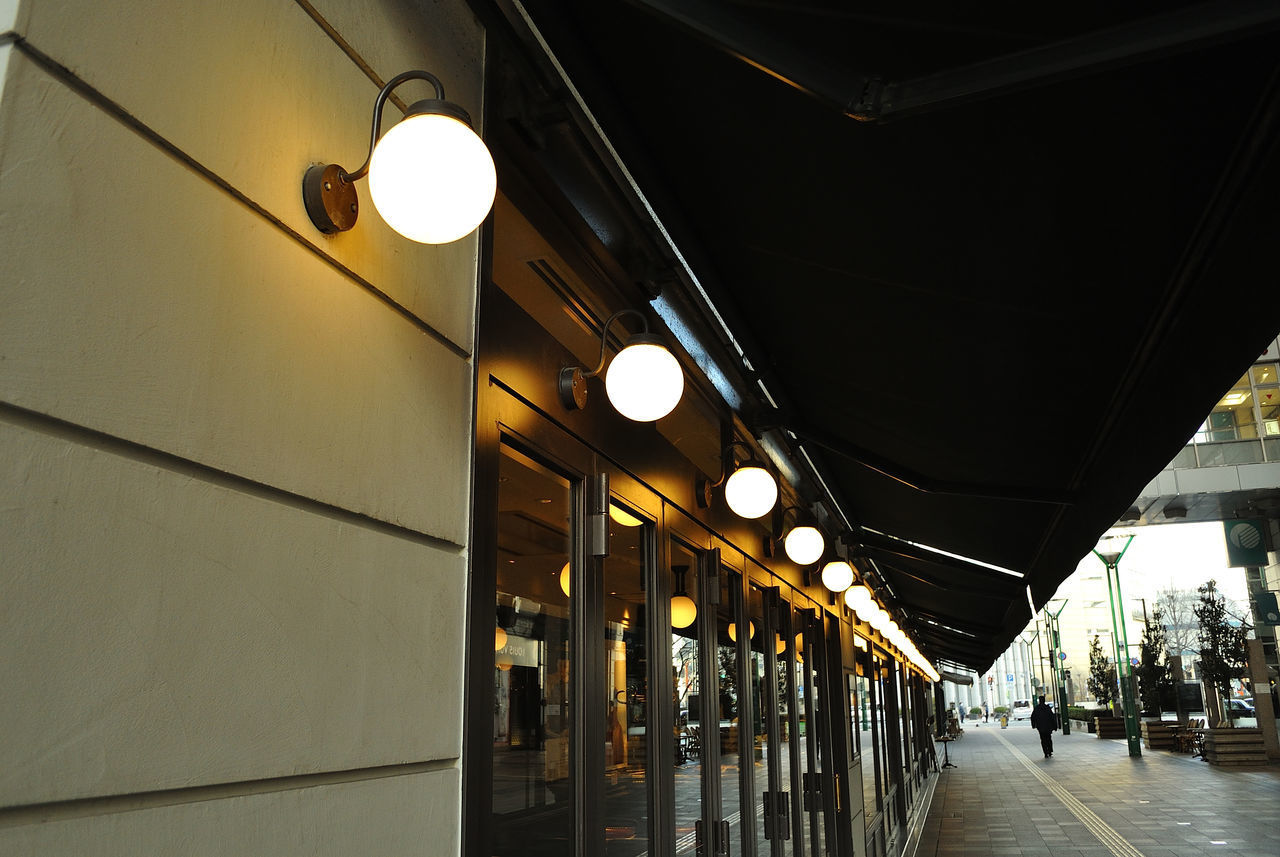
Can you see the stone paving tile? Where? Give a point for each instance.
(1163, 804)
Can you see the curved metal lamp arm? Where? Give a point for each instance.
(777, 532)
(704, 486)
(727, 459)
(572, 382)
(604, 337)
(328, 191)
(383, 95)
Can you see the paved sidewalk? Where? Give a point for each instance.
(1004, 799)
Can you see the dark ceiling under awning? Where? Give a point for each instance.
(999, 300)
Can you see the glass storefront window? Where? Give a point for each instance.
(806, 706)
(1248, 411)
(762, 744)
(1266, 392)
(866, 741)
(532, 717)
(688, 703)
(727, 727)
(1232, 418)
(626, 798)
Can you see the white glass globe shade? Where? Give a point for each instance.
(733, 631)
(565, 580)
(432, 179)
(504, 662)
(683, 611)
(859, 598)
(837, 576)
(751, 492)
(644, 382)
(805, 545)
(499, 639)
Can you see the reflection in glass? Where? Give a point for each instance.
(866, 742)
(726, 730)
(1267, 394)
(626, 798)
(688, 707)
(759, 735)
(883, 689)
(805, 666)
(908, 721)
(532, 774)
(791, 705)
(1232, 418)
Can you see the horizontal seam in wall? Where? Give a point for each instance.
(352, 54)
(110, 107)
(78, 434)
(44, 813)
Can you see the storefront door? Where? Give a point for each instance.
(561, 714)
(647, 692)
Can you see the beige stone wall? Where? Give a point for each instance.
(235, 453)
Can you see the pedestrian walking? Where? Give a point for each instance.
(1044, 721)
(986, 713)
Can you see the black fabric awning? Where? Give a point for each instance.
(994, 265)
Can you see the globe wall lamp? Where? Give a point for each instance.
(1110, 549)
(837, 575)
(683, 610)
(644, 382)
(858, 599)
(431, 177)
(804, 542)
(750, 490)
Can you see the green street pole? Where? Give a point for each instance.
(1055, 662)
(1110, 554)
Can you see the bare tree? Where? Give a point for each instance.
(1182, 630)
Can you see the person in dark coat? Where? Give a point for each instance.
(1044, 721)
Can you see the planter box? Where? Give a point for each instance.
(1239, 746)
(1158, 735)
(1109, 727)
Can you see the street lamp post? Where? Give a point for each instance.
(1110, 549)
(1055, 663)
(1028, 672)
